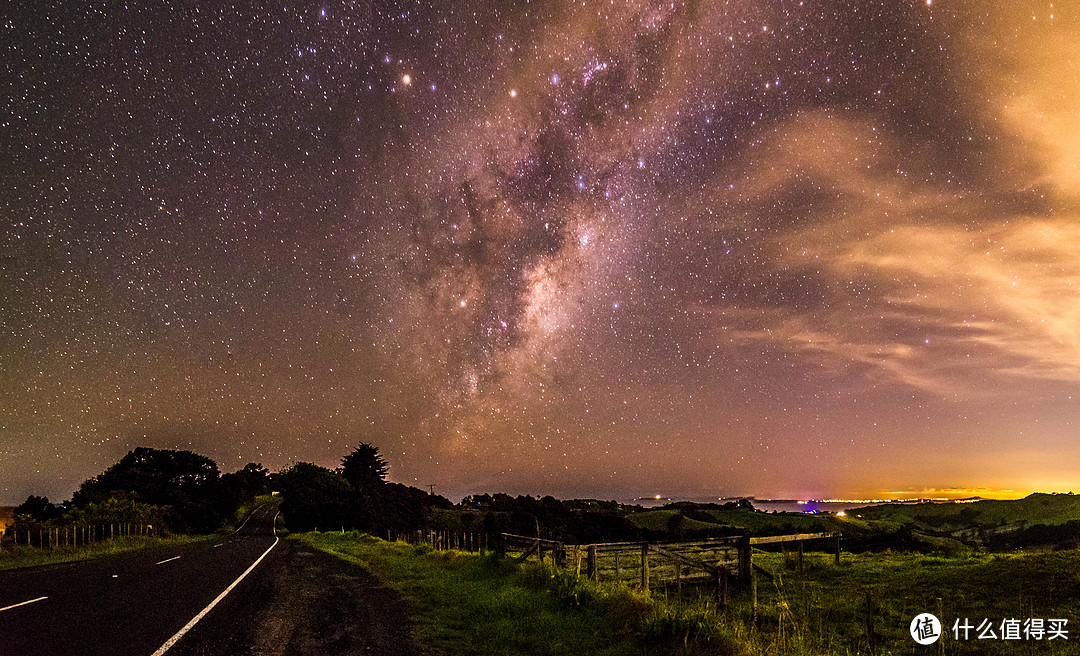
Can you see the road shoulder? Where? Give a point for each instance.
(323, 605)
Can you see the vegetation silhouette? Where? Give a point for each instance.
(354, 496)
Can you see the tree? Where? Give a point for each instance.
(186, 481)
(364, 468)
(315, 497)
(244, 485)
(38, 509)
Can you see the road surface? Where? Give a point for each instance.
(140, 603)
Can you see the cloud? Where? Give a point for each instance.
(1032, 84)
(904, 280)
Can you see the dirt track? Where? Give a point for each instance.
(322, 605)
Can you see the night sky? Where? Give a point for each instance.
(606, 249)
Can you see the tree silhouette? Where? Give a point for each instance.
(364, 468)
(39, 509)
(315, 497)
(186, 481)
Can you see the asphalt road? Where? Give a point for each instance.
(134, 604)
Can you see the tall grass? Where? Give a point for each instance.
(865, 606)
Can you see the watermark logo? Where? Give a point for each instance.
(925, 629)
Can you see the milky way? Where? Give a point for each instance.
(587, 249)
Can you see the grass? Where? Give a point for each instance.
(756, 522)
(660, 520)
(828, 610)
(991, 514)
(21, 556)
(480, 605)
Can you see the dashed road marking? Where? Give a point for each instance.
(22, 603)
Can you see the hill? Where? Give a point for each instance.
(1038, 508)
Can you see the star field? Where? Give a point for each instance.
(584, 249)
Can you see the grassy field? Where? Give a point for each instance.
(474, 604)
(1047, 509)
(835, 610)
(737, 520)
(661, 520)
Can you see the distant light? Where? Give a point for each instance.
(841, 514)
(657, 497)
(462, 303)
(406, 79)
(513, 93)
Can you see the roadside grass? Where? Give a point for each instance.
(16, 556)
(481, 605)
(20, 556)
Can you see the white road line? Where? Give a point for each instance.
(195, 620)
(21, 604)
(166, 560)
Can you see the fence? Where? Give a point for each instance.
(667, 566)
(671, 566)
(445, 540)
(72, 535)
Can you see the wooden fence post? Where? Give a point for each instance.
(645, 567)
(746, 567)
(838, 549)
(800, 555)
(592, 562)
